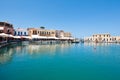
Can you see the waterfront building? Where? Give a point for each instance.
(63, 35)
(116, 38)
(20, 32)
(41, 33)
(6, 32)
(6, 28)
(60, 34)
(102, 38)
(67, 35)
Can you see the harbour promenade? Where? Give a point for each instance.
(9, 35)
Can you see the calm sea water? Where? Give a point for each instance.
(60, 62)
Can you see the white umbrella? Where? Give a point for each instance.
(42, 37)
(27, 37)
(52, 38)
(3, 35)
(9, 35)
(64, 38)
(35, 36)
(17, 37)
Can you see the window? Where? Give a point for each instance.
(110, 39)
(45, 32)
(38, 32)
(21, 33)
(1, 31)
(24, 33)
(18, 33)
(34, 32)
(15, 33)
(42, 33)
(104, 39)
(52, 32)
(8, 31)
(107, 39)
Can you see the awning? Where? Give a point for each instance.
(1, 28)
(9, 35)
(42, 37)
(35, 36)
(39, 37)
(3, 35)
(26, 37)
(17, 37)
(52, 38)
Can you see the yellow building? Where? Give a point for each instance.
(48, 34)
(67, 34)
(41, 32)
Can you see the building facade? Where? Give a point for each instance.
(6, 28)
(67, 34)
(45, 33)
(102, 38)
(60, 34)
(20, 32)
(63, 35)
(41, 33)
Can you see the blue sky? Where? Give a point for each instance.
(80, 17)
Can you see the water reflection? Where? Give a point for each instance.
(20, 50)
(50, 49)
(101, 48)
(100, 44)
(6, 54)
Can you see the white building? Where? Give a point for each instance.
(102, 38)
(20, 32)
(63, 35)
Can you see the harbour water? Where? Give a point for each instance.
(60, 62)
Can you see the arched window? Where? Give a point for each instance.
(107, 39)
(110, 39)
(25, 33)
